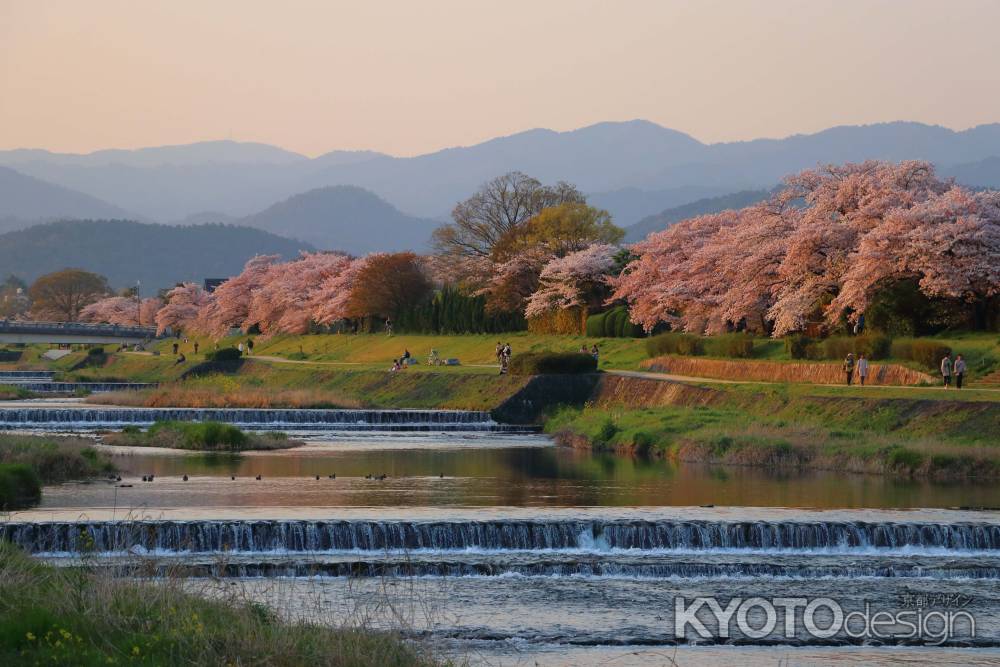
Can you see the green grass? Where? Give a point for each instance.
(200, 436)
(31, 460)
(8, 393)
(767, 428)
(262, 385)
(20, 486)
(89, 617)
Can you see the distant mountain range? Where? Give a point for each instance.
(157, 255)
(24, 200)
(634, 169)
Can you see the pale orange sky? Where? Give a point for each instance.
(418, 75)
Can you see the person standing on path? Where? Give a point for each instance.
(862, 369)
(959, 371)
(240, 348)
(946, 370)
(196, 347)
(249, 346)
(849, 367)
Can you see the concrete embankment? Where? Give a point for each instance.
(773, 371)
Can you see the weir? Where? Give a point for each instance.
(347, 420)
(261, 536)
(16, 375)
(46, 386)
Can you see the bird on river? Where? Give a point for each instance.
(333, 476)
(258, 478)
(232, 477)
(185, 478)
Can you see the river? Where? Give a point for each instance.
(502, 549)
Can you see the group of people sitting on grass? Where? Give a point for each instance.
(949, 369)
(404, 361)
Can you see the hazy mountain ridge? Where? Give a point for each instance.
(345, 218)
(25, 200)
(126, 251)
(171, 183)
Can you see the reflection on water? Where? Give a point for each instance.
(482, 470)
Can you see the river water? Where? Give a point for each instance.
(502, 549)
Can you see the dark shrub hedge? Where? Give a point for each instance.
(798, 346)
(613, 323)
(927, 353)
(542, 363)
(675, 342)
(19, 486)
(736, 345)
(225, 354)
(873, 346)
(594, 327)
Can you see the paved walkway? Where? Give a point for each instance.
(668, 377)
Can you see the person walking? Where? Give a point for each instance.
(946, 370)
(240, 348)
(595, 353)
(196, 347)
(249, 346)
(959, 371)
(849, 367)
(176, 346)
(862, 369)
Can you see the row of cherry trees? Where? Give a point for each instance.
(821, 248)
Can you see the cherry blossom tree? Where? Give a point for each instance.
(122, 310)
(185, 310)
(580, 278)
(820, 248)
(283, 303)
(329, 303)
(230, 303)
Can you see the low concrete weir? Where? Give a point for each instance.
(344, 420)
(46, 386)
(289, 536)
(26, 375)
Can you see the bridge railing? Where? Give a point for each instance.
(78, 328)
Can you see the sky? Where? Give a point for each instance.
(410, 77)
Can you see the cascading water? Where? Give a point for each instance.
(46, 386)
(345, 420)
(26, 375)
(324, 536)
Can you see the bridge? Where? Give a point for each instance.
(13, 331)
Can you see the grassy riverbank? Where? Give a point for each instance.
(259, 384)
(27, 462)
(935, 439)
(75, 616)
(201, 437)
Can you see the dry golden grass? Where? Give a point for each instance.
(181, 396)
